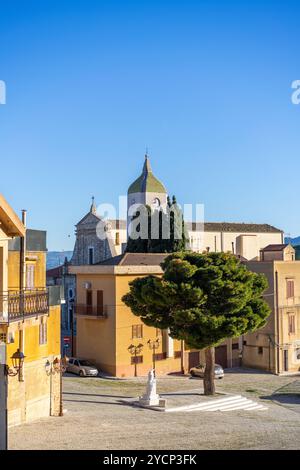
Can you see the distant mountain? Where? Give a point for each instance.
(57, 258)
(292, 241)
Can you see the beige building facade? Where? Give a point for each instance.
(108, 334)
(276, 347)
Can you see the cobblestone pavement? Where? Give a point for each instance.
(97, 418)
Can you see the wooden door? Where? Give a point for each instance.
(221, 356)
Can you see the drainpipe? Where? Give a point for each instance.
(22, 289)
(23, 254)
(277, 324)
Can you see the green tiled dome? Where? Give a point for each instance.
(146, 182)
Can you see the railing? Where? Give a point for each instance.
(17, 305)
(90, 310)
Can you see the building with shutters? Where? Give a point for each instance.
(106, 327)
(276, 347)
(29, 322)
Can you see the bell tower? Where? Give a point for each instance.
(146, 190)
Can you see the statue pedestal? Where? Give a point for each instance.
(149, 401)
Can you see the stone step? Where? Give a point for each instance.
(221, 406)
(231, 403)
(206, 403)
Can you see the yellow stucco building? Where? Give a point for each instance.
(29, 323)
(276, 347)
(108, 333)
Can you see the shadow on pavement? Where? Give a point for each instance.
(118, 403)
(95, 395)
(244, 370)
(286, 399)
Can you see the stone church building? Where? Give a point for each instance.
(243, 239)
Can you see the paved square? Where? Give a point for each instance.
(97, 417)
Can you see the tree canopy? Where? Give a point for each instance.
(158, 231)
(201, 298)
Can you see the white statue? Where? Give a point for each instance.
(150, 397)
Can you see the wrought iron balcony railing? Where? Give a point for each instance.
(17, 305)
(90, 310)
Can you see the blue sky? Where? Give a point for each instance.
(206, 85)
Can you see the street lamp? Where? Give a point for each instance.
(18, 362)
(134, 351)
(71, 303)
(153, 345)
(58, 366)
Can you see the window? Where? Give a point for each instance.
(3, 338)
(91, 255)
(291, 324)
(43, 331)
(71, 361)
(76, 363)
(29, 276)
(260, 350)
(160, 356)
(235, 346)
(71, 294)
(100, 309)
(290, 289)
(89, 302)
(11, 337)
(177, 354)
(297, 354)
(136, 359)
(137, 331)
(117, 240)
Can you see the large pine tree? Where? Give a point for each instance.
(202, 299)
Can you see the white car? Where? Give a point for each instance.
(81, 367)
(199, 371)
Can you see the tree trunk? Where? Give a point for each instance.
(209, 373)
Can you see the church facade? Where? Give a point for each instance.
(243, 239)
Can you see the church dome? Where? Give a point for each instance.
(147, 182)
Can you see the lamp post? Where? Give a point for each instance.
(153, 345)
(71, 302)
(134, 351)
(58, 366)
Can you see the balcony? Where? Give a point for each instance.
(90, 311)
(19, 305)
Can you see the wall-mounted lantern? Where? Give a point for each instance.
(18, 362)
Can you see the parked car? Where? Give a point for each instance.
(198, 371)
(81, 367)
